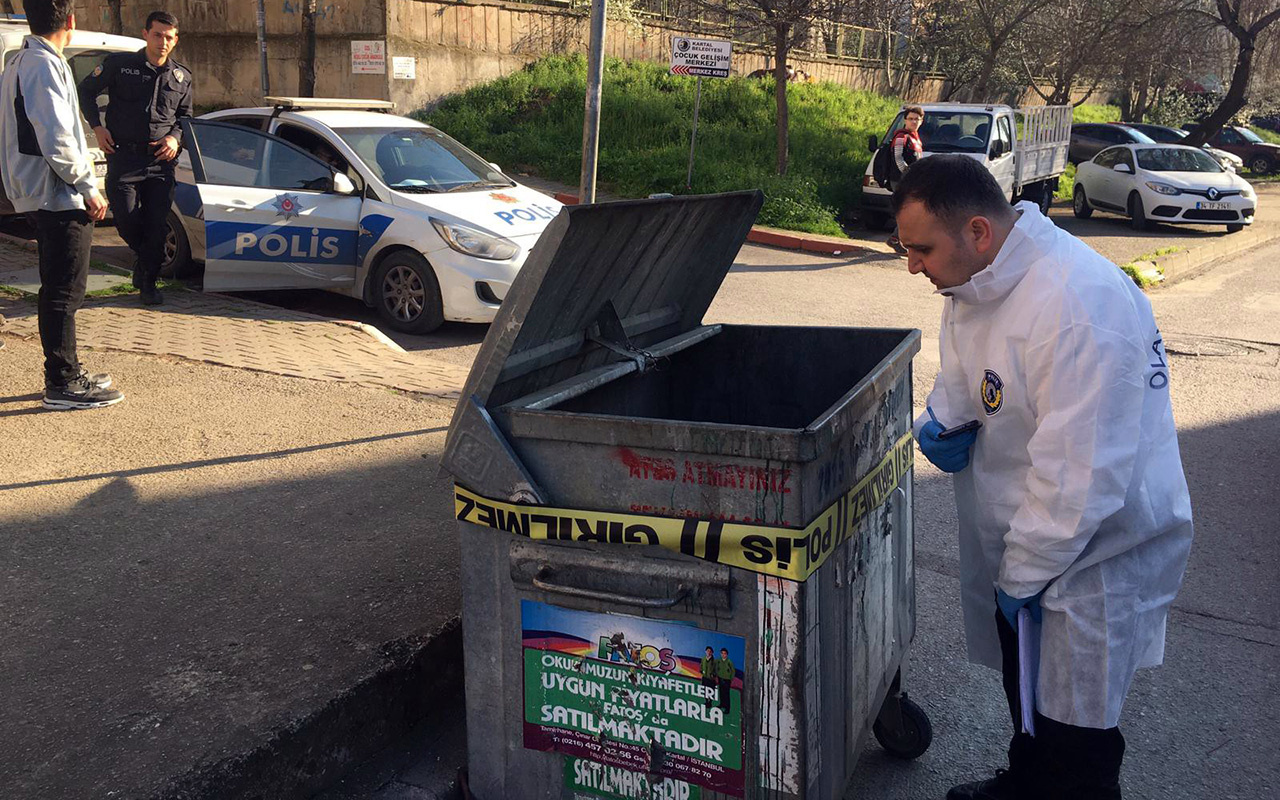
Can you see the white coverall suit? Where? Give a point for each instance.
(1075, 482)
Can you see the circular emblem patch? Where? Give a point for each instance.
(992, 392)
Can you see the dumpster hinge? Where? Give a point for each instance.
(485, 460)
(609, 332)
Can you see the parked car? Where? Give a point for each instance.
(1166, 135)
(1270, 121)
(342, 195)
(1024, 148)
(1090, 138)
(85, 52)
(1259, 156)
(1163, 183)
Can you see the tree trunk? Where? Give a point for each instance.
(984, 77)
(307, 61)
(780, 81)
(115, 22)
(1234, 99)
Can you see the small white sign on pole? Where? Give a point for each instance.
(404, 68)
(369, 57)
(701, 58)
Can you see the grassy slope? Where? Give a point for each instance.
(532, 121)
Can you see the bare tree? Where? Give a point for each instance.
(1075, 43)
(996, 21)
(307, 61)
(114, 21)
(782, 24)
(1245, 21)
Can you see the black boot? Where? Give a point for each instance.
(1001, 787)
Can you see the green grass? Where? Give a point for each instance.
(1066, 184)
(1134, 268)
(1266, 135)
(1094, 113)
(531, 121)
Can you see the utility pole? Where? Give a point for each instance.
(307, 65)
(262, 47)
(591, 119)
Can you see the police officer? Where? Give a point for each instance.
(147, 94)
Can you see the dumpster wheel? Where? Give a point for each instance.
(911, 737)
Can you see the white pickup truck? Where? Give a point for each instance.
(1025, 149)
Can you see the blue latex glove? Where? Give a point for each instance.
(948, 455)
(1009, 606)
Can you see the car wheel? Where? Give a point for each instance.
(1260, 165)
(1046, 198)
(177, 249)
(1080, 204)
(1236, 228)
(407, 293)
(1137, 214)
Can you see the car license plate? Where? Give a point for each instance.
(1210, 206)
(100, 170)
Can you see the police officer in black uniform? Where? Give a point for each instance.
(147, 93)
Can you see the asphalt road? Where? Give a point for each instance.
(1197, 728)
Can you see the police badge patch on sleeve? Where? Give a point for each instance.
(97, 70)
(992, 392)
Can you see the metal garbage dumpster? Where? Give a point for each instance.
(686, 548)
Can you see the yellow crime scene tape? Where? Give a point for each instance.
(790, 553)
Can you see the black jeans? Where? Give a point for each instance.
(1061, 762)
(64, 238)
(140, 191)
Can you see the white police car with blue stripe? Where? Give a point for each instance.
(341, 195)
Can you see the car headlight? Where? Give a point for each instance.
(1162, 188)
(1247, 193)
(474, 242)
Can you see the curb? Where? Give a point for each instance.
(320, 746)
(1196, 261)
(787, 240)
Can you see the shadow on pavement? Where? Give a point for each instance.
(237, 642)
(208, 462)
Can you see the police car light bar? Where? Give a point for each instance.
(328, 103)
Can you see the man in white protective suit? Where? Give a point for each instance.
(1071, 498)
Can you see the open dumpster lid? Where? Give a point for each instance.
(604, 283)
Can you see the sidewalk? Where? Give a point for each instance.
(217, 329)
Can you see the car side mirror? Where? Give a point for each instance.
(873, 142)
(342, 184)
(997, 149)
(495, 167)
(1125, 168)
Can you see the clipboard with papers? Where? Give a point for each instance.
(1028, 668)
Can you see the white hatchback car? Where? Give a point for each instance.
(1163, 183)
(340, 195)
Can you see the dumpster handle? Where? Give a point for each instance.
(540, 581)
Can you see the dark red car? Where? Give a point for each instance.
(1259, 157)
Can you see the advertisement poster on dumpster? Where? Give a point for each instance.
(649, 696)
(591, 780)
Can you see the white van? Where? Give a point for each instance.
(1024, 148)
(86, 52)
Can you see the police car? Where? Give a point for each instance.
(85, 52)
(343, 195)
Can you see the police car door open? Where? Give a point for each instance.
(272, 217)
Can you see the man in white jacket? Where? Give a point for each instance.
(1071, 498)
(48, 175)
